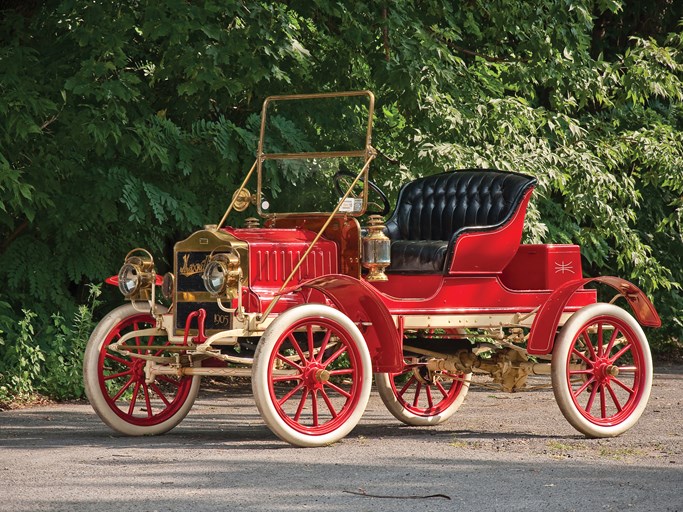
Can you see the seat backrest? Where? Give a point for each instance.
(436, 207)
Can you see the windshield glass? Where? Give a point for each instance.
(305, 141)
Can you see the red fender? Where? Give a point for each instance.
(363, 305)
(542, 335)
(114, 280)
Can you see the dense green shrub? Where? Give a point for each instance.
(127, 124)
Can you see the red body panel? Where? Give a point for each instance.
(542, 335)
(488, 252)
(273, 254)
(543, 267)
(464, 295)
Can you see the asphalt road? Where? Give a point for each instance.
(500, 452)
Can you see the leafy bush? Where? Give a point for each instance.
(128, 124)
(54, 368)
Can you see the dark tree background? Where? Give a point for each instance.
(126, 124)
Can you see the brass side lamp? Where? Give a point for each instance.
(376, 249)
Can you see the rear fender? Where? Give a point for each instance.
(364, 306)
(542, 335)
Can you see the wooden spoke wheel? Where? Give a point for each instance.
(602, 370)
(312, 375)
(115, 383)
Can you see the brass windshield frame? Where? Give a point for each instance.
(367, 153)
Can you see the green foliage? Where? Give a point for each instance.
(53, 367)
(22, 362)
(64, 361)
(129, 124)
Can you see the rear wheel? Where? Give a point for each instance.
(416, 397)
(115, 383)
(312, 375)
(601, 370)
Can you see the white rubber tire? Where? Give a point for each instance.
(93, 390)
(261, 384)
(401, 413)
(576, 414)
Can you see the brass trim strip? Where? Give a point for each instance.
(320, 154)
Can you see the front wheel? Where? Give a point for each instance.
(115, 383)
(312, 375)
(601, 370)
(416, 397)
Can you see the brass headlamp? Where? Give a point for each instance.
(376, 249)
(222, 274)
(137, 275)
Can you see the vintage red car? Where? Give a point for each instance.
(310, 305)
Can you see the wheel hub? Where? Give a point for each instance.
(604, 370)
(315, 376)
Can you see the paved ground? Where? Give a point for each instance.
(501, 452)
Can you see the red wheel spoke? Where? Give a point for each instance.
(311, 343)
(612, 339)
(314, 407)
(338, 389)
(148, 402)
(160, 394)
(430, 402)
(346, 371)
(582, 372)
(116, 375)
(583, 388)
(137, 338)
(328, 402)
(283, 378)
(443, 390)
(591, 398)
(123, 389)
(302, 402)
(288, 362)
(582, 357)
(131, 408)
(588, 343)
(291, 393)
(323, 345)
(334, 356)
(118, 359)
(620, 353)
(407, 385)
(418, 388)
(603, 401)
(613, 395)
(623, 386)
(600, 339)
(296, 346)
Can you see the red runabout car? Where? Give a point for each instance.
(311, 304)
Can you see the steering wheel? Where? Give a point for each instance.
(342, 181)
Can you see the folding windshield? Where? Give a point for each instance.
(305, 141)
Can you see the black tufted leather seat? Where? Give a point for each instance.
(432, 212)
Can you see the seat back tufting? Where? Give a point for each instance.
(438, 206)
(434, 212)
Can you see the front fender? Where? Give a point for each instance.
(364, 306)
(542, 335)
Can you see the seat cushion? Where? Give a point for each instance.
(418, 256)
(436, 207)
